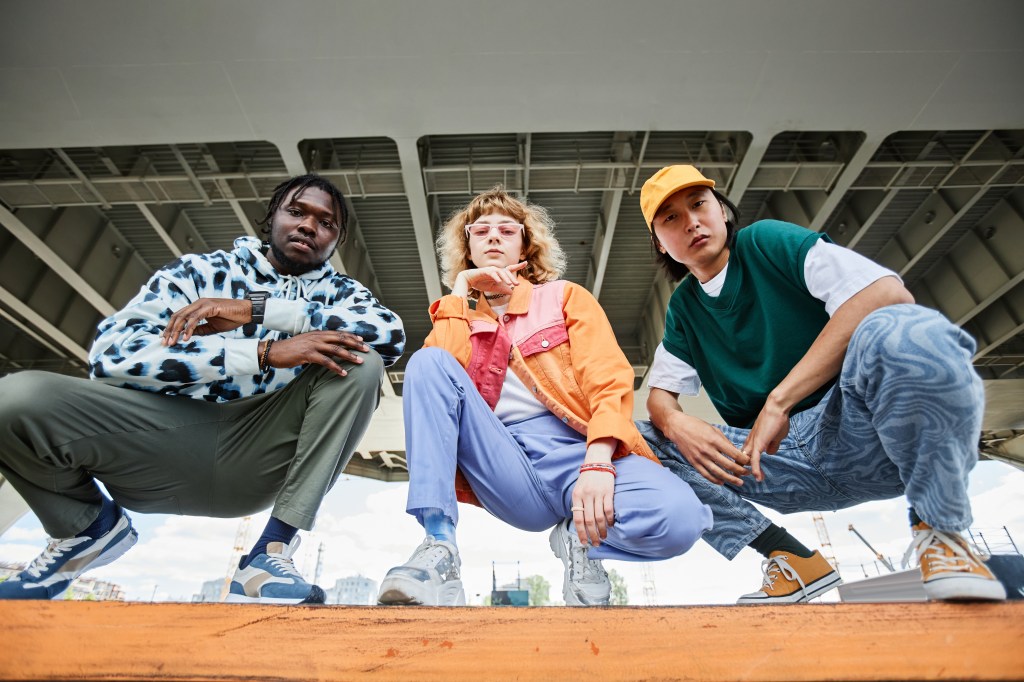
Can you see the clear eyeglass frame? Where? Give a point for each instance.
(505, 230)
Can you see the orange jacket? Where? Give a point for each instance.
(557, 339)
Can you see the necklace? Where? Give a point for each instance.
(495, 297)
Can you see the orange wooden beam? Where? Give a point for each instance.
(124, 641)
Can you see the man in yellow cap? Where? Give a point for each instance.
(817, 356)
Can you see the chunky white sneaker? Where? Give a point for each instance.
(50, 573)
(271, 578)
(949, 568)
(429, 578)
(585, 582)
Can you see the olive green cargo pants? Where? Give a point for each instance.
(179, 455)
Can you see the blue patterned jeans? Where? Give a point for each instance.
(903, 418)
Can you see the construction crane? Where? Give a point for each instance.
(824, 541)
(241, 539)
(650, 593)
(319, 563)
(878, 555)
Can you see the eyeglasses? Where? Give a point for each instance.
(483, 230)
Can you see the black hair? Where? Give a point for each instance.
(676, 270)
(299, 184)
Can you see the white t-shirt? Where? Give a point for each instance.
(516, 401)
(833, 275)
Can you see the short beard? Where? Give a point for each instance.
(291, 267)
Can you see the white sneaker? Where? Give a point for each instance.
(949, 568)
(586, 582)
(429, 578)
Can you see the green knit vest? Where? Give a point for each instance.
(745, 341)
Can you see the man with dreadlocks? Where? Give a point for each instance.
(234, 381)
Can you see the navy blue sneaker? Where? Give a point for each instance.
(271, 578)
(50, 574)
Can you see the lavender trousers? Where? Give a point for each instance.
(524, 473)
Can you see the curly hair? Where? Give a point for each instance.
(544, 257)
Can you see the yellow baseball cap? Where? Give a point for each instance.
(664, 184)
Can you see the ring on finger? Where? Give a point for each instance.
(576, 509)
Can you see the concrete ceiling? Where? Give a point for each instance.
(133, 132)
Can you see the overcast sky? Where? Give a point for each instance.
(365, 531)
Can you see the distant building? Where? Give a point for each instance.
(356, 590)
(82, 589)
(210, 591)
(8, 569)
(90, 589)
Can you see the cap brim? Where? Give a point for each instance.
(668, 193)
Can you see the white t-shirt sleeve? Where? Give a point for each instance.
(672, 374)
(835, 274)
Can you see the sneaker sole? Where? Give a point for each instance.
(561, 551)
(402, 591)
(116, 550)
(821, 586)
(964, 589)
(316, 597)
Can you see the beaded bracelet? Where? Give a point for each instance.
(598, 466)
(264, 367)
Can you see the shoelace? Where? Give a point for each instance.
(588, 570)
(776, 565)
(428, 554)
(54, 550)
(932, 542)
(284, 560)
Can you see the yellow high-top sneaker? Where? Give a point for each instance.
(949, 567)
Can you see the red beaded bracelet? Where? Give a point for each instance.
(598, 466)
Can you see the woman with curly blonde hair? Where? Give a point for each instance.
(523, 405)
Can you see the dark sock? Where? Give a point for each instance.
(775, 539)
(107, 519)
(914, 518)
(276, 531)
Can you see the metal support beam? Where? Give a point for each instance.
(32, 334)
(55, 262)
(73, 167)
(875, 215)
(160, 230)
(990, 299)
(1003, 338)
(846, 179)
(225, 190)
(191, 175)
(527, 150)
(70, 346)
(291, 157)
(412, 176)
(747, 168)
(608, 217)
(941, 232)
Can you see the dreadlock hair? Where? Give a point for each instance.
(300, 184)
(676, 270)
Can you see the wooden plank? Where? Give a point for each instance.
(106, 641)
